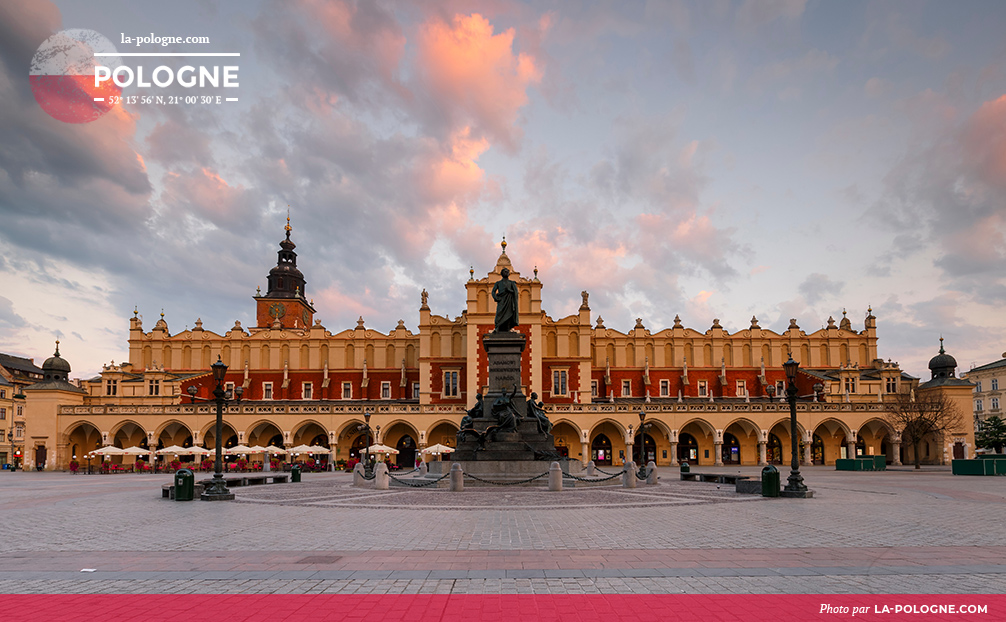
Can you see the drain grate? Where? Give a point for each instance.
(318, 559)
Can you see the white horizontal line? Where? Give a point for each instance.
(231, 99)
(167, 53)
(99, 99)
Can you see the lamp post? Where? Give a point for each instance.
(643, 428)
(795, 486)
(10, 439)
(217, 490)
(365, 427)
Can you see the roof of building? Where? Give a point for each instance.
(18, 363)
(993, 365)
(4, 383)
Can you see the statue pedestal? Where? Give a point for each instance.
(503, 351)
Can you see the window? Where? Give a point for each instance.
(347, 390)
(3, 394)
(703, 388)
(450, 384)
(978, 387)
(626, 388)
(593, 388)
(307, 391)
(154, 387)
(559, 382)
(111, 387)
(3, 413)
(267, 390)
(742, 388)
(385, 390)
(665, 388)
(19, 431)
(892, 385)
(995, 384)
(995, 403)
(780, 388)
(229, 387)
(978, 406)
(850, 385)
(415, 390)
(20, 411)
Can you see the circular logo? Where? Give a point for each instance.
(62, 75)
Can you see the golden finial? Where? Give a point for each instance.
(941, 344)
(288, 228)
(162, 313)
(503, 244)
(536, 273)
(471, 273)
(57, 347)
(136, 310)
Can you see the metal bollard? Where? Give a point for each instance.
(358, 480)
(555, 477)
(457, 478)
(629, 475)
(381, 479)
(651, 473)
(590, 469)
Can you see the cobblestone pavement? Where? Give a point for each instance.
(890, 532)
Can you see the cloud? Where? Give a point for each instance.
(948, 192)
(818, 286)
(474, 76)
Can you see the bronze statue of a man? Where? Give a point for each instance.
(506, 296)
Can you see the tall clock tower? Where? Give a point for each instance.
(284, 304)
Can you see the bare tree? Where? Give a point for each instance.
(918, 415)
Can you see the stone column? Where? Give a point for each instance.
(674, 453)
(381, 479)
(895, 453)
(718, 453)
(762, 453)
(629, 475)
(585, 449)
(808, 457)
(850, 449)
(555, 477)
(629, 454)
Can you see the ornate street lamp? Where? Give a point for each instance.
(10, 439)
(365, 427)
(795, 486)
(217, 490)
(643, 428)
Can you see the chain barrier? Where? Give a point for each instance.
(515, 483)
(584, 479)
(369, 478)
(642, 479)
(605, 472)
(422, 485)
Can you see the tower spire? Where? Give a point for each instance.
(288, 228)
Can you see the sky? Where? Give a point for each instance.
(716, 159)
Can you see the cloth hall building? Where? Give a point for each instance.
(707, 393)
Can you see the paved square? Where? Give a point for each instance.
(897, 531)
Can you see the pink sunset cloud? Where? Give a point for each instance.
(475, 73)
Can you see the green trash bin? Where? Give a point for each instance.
(295, 473)
(185, 485)
(770, 481)
(685, 468)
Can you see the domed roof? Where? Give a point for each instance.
(942, 365)
(56, 363)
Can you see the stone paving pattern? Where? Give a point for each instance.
(889, 532)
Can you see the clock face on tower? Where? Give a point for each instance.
(276, 310)
(307, 319)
